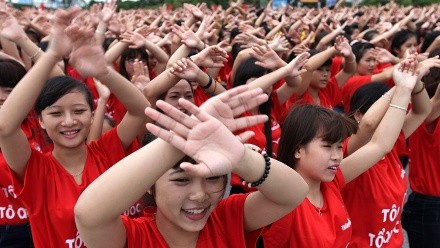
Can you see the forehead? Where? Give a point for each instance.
(71, 98)
(181, 86)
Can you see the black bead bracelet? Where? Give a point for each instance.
(262, 178)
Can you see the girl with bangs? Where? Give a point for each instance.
(311, 143)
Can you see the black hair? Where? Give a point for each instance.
(368, 36)
(11, 72)
(432, 79)
(399, 38)
(360, 48)
(246, 70)
(57, 87)
(107, 42)
(132, 53)
(429, 38)
(365, 96)
(328, 62)
(306, 122)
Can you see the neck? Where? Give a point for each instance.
(175, 236)
(72, 159)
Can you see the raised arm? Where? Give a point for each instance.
(131, 177)
(89, 60)
(99, 113)
(13, 142)
(344, 49)
(390, 126)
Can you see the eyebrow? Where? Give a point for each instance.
(176, 171)
(75, 105)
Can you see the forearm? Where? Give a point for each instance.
(98, 121)
(125, 91)
(15, 110)
(181, 52)
(115, 51)
(159, 85)
(327, 39)
(128, 180)
(10, 48)
(274, 31)
(157, 52)
(100, 32)
(269, 79)
(350, 64)
(319, 59)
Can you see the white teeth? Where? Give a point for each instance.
(69, 133)
(194, 211)
(333, 167)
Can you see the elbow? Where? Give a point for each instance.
(83, 214)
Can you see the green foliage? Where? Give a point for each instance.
(402, 2)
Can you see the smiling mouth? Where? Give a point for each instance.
(70, 133)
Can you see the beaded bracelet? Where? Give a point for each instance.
(262, 178)
(209, 83)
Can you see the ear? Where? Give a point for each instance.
(358, 116)
(40, 121)
(297, 153)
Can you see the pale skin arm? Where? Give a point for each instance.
(315, 62)
(361, 160)
(98, 116)
(134, 174)
(344, 50)
(13, 142)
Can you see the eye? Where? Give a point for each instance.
(214, 179)
(79, 111)
(55, 114)
(189, 96)
(181, 180)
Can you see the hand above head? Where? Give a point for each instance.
(10, 29)
(211, 57)
(186, 69)
(187, 36)
(342, 46)
(382, 55)
(141, 76)
(427, 64)
(103, 91)
(267, 57)
(295, 67)
(405, 74)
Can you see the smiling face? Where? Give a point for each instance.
(319, 160)
(181, 90)
(68, 120)
(184, 202)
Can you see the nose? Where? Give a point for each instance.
(69, 120)
(198, 191)
(337, 155)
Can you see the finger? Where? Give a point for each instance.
(200, 169)
(248, 121)
(167, 136)
(194, 110)
(244, 97)
(245, 136)
(227, 95)
(167, 122)
(250, 104)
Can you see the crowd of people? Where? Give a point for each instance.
(209, 127)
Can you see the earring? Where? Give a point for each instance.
(358, 122)
(297, 155)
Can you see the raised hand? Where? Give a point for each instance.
(187, 36)
(107, 11)
(427, 64)
(103, 91)
(10, 29)
(342, 46)
(406, 74)
(294, 68)
(135, 39)
(186, 69)
(383, 56)
(233, 103)
(141, 76)
(266, 57)
(60, 45)
(279, 44)
(212, 56)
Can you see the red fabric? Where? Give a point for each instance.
(336, 66)
(350, 87)
(424, 173)
(224, 228)
(18, 214)
(328, 97)
(200, 96)
(375, 200)
(49, 192)
(305, 227)
(114, 108)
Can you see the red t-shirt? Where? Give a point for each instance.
(305, 227)
(375, 200)
(350, 87)
(424, 173)
(12, 210)
(328, 96)
(200, 96)
(224, 228)
(49, 192)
